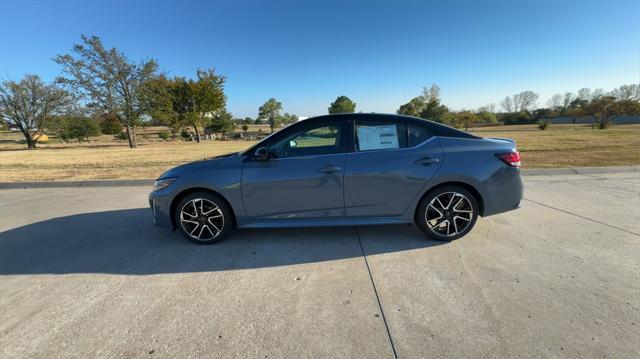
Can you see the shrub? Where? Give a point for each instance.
(122, 136)
(110, 125)
(543, 124)
(163, 135)
(78, 128)
(186, 135)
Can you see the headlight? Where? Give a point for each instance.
(163, 183)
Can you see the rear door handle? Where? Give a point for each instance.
(330, 169)
(427, 161)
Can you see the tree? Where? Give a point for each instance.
(245, 128)
(222, 122)
(289, 118)
(30, 104)
(520, 102)
(77, 128)
(555, 102)
(434, 111)
(249, 120)
(465, 118)
(342, 104)
(584, 94)
(507, 104)
(431, 93)
(270, 111)
(109, 124)
(413, 107)
(605, 109)
(567, 99)
(627, 92)
(208, 97)
(158, 93)
(108, 81)
(486, 115)
(426, 106)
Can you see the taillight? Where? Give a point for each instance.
(510, 158)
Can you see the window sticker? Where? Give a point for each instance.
(377, 137)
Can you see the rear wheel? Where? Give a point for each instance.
(447, 213)
(203, 218)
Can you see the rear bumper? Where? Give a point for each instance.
(161, 209)
(505, 191)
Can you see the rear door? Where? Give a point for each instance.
(391, 162)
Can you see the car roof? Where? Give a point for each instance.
(439, 129)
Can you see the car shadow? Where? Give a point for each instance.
(126, 242)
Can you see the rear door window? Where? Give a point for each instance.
(372, 135)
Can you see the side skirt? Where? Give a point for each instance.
(299, 223)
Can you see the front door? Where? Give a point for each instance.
(303, 177)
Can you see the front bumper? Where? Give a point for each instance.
(161, 207)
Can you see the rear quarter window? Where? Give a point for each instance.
(417, 134)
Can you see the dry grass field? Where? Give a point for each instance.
(558, 146)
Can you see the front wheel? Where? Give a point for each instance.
(203, 218)
(447, 213)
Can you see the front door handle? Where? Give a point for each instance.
(330, 169)
(427, 161)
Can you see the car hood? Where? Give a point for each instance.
(212, 162)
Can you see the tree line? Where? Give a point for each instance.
(101, 91)
(522, 107)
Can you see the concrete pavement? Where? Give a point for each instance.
(83, 273)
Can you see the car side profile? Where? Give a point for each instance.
(347, 169)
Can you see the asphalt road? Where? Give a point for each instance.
(84, 273)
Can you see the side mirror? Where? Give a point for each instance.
(261, 154)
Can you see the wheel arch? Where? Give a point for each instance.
(182, 194)
(476, 194)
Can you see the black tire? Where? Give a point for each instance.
(460, 220)
(203, 218)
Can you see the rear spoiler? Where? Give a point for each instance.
(503, 139)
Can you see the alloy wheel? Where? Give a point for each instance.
(449, 214)
(201, 219)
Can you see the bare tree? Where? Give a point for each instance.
(431, 93)
(627, 92)
(507, 104)
(555, 102)
(567, 99)
(30, 103)
(584, 94)
(525, 101)
(108, 81)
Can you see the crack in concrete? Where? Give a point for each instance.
(375, 291)
(583, 217)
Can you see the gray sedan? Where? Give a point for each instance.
(345, 170)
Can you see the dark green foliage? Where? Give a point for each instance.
(222, 123)
(110, 124)
(543, 124)
(186, 135)
(342, 104)
(77, 128)
(164, 135)
(270, 111)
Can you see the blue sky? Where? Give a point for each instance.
(379, 53)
